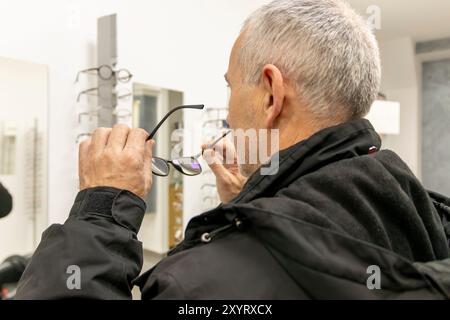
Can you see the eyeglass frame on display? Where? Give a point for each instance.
(86, 92)
(112, 72)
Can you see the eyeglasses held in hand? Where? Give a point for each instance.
(189, 166)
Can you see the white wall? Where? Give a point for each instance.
(182, 45)
(45, 32)
(400, 83)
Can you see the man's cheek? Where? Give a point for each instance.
(231, 119)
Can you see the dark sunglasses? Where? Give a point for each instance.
(189, 166)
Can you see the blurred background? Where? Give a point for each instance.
(158, 54)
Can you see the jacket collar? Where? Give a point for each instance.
(333, 144)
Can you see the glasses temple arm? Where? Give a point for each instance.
(212, 144)
(85, 71)
(85, 92)
(152, 134)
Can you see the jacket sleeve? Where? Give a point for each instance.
(5, 202)
(95, 254)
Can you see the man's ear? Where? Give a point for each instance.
(274, 85)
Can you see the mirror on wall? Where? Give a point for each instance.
(23, 155)
(162, 227)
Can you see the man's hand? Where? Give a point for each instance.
(119, 158)
(223, 162)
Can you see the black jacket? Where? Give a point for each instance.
(311, 231)
(5, 202)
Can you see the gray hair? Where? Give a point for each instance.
(323, 46)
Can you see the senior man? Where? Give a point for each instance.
(339, 219)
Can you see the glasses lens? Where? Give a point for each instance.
(105, 72)
(123, 75)
(160, 167)
(187, 166)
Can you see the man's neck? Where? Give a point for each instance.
(300, 128)
(293, 134)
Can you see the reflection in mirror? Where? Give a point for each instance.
(23, 155)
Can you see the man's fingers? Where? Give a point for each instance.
(148, 153)
(129, 169)
(84, 146)
(100, 138)
(215, 164)
(137, 139)
(83, 151)
(118, 137)
(148, 162)
(83, 159)
(226, 151)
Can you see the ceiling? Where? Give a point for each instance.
(420, 19)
